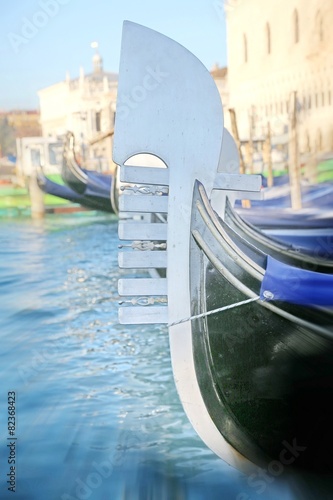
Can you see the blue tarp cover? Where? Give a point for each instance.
(298, 286)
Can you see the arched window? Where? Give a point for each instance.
(319, 26)
(268, 38)
(245, 48)
(296, 26)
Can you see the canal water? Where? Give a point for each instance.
(88, 407)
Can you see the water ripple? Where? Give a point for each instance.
(96, 401)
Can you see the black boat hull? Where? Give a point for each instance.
(66, 193)
(265, 371)
(99, 188)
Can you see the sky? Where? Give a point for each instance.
(40, 40)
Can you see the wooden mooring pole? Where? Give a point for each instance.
(36, 197)
(294, 163)
(268, 145)
(234, 128)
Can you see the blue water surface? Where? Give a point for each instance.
(97, 415)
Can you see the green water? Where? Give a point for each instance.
(15, 200)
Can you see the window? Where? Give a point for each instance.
(268, 38)
(245, 48)
(36, 156)
(296, 26)
(55, 153)
(98, 121)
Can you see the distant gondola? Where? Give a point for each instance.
(101, 188)
(315, 253)
(317, 196)
(66, 193)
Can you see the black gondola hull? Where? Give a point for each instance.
(266, 380)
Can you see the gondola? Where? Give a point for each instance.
(273, 211)
(250, 329)
(279, 197)
(310, 228)
(274, 219)
(305, 235)
(101, 188)
(62, 191)
(270, 365)
(316, 252)
(309, 231)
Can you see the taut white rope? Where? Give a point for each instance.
(213, 311)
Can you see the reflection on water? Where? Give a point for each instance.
(97, 413)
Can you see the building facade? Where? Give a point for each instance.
(25, 122)
(220, 76)
(275, 49)
(85, 106)
(15, 124)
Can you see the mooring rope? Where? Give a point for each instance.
(213, 311)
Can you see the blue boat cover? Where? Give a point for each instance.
(298, 286)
